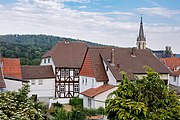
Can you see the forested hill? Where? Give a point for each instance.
(30, 48)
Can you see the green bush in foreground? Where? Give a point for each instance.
(148, 98)
(18, 106)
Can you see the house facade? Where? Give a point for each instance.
(174, 65)
(100, 73)
(66, 59)
(41, 80)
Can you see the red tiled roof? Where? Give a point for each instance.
(11, 68)
(37, 72)
(69, 55)
(93, 65)
(176, 73)
(171, 62)
(96, 91)
(87, 69)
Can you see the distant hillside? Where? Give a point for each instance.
(30, 48)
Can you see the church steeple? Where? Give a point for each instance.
(141, 40)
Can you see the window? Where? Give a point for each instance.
(76, 88)
(45, 60)
(62, 88)
(32, 82)
(62, 72)
(82, 80)
(48, 60)
(76, 72)
(86, 81)
(40, 82)
(89, 102)
(67, 72)
(174, 78)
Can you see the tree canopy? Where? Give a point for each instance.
(30, 48)
(18, 106)
(147, 98)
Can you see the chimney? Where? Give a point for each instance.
(118, 66)
(133, 53)
(112, 58)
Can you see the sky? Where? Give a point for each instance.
(110, 22)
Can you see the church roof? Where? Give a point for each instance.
(141, 32)
(37, 72)
(68, 54)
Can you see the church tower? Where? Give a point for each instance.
(141, 40)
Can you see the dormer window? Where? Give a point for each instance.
(176, 68)
(45, 61)
(48, 60)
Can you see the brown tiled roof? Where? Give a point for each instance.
(69, 55)
(132, 64)
(2, 83)
(11, 68)
(37, 72)
(96, 65)
(96, 91)
(172, 63)
(123, 56)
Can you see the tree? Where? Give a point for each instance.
(148, 98)
(18, 106)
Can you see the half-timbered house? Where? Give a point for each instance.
(66, 59)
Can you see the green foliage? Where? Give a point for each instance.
(61, 114)
(148, 98)
(17, 106)
(76, 102)
(29, 48)
(55, 108)
(78, 114)
(101, 111)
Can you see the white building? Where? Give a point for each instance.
(42, 81)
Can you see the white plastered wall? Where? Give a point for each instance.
(47, 89)
(91, 83)
(13, 85)
(112, 80)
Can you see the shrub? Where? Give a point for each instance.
(76, 102)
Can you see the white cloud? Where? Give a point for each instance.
(52, 17)
(159, 11)
(83, 6)
(153, 3)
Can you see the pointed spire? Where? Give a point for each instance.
(141, 40)
(141, 32)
